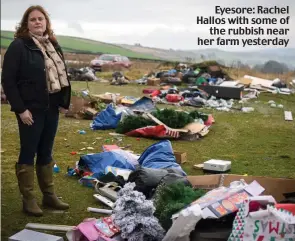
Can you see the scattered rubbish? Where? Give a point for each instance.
(199, 166)
(115, 134)
(247, 109)
(56, 168)
(109, 191)
(271, 102)
(82, 149)
(109, 147)
(266, 212)
(288, 116)
(82, 132)
(49, 227)
(31, 235)
(280, 106)
(65, 139)
(181, 157)
(104, 200)
(98, 138)
(273, 105)
(217, 166)
(90, 148)
(98, 210)
(73, 153)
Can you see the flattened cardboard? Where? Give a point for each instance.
(275, 187)
(245, 81)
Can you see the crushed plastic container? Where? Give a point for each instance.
(247, 109)
(56, 168)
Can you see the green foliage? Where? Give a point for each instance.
(133, 122)
(198, 115)
(172, 118)
(169, 199)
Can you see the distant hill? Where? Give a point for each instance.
(75, 44)
(251, 58)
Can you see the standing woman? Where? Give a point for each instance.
(35, 81)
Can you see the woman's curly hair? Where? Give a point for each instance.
(22, 29)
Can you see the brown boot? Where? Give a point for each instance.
(45, 180)
(25, 176)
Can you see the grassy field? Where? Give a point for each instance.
(72, 44)
(258, 143)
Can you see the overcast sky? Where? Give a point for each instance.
(154, 23)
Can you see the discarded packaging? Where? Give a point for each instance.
(30, 235)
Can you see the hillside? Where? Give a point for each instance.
(251, 58)
(81, 45)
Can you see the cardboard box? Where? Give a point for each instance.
(153, 81)
(275, 187)
(181, 157)
(108, 98)
(76, 106)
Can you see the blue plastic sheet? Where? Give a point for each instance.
(143, 104)
(97, 163)
(159, 155)
(107, 119)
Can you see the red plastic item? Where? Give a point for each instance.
(174, 98)
(210, 120)
(156, 93)
(148, 91)
(73, 153)
(109, 147)
(286, 206)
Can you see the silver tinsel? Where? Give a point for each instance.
(133, 215)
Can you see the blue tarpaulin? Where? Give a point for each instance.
(143, 104)
(159, 155)
(107, 119)
(97, 163)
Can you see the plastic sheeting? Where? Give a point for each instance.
(143, 104)
(97, 163)
(147, 179)
(159, 155)
(107, 119)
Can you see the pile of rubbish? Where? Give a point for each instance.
(84, 105)
(150, 197)
(82, 74)
(183, 74)
(119, 78)
(142, 119)
(275, 86)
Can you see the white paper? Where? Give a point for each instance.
(254, 188)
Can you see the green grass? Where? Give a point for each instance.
(72, 44)
(259, 143)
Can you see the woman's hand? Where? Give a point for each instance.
(63, 110)
(27, 118)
